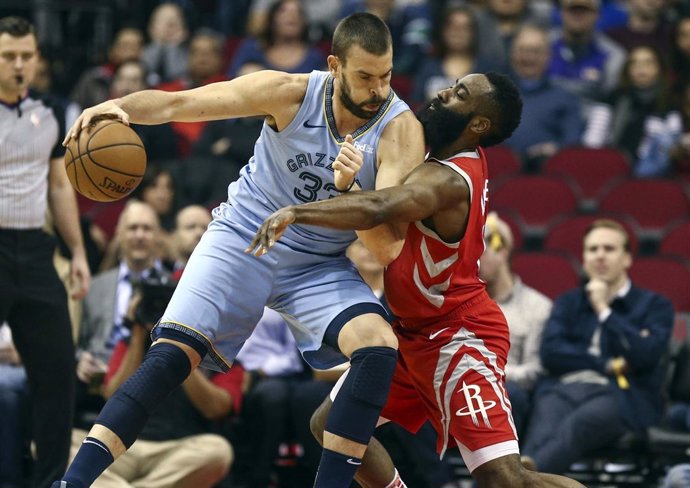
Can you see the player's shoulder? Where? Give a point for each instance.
(403, 127)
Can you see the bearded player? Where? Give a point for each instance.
(453, 338)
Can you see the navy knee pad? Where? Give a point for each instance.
(164, 368)
(359, 402)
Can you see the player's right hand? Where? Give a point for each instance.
(105, 110)
(347, 164)
(270, 231)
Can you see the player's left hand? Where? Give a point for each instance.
(80, 276)
(270, 231)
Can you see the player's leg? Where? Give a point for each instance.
(377, 469)
(209, 316)
(508, 472)
(371, 346)
(334, 315)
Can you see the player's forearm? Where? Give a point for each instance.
(151, 107)
(367, 209)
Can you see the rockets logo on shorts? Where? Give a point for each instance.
(472, 395)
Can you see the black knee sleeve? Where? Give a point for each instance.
(359, 402)
(164, 368)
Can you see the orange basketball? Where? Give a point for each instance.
(106, 162)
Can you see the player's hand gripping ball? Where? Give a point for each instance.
(106, 162)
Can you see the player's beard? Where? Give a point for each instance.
(357, 110)
(441, 126)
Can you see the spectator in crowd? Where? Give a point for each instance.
(190, 224)
(551, 117)
(454, 56)
(14, 402)
(322, 16)
(43, 83)
(584, 61)
(646, 26)
(165, 55)
(105, 306)
(283, 45)
(204, 66)
(410, 25)
(602, 348)
(177, 446)
(643, 122)
(159, 140)
(680, 52)
(273, 367)
(93, 86)
(499, 23)
(680, 153)
(33, 300)
(526, 312)
(158, 188)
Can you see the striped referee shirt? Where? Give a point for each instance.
(31, 132)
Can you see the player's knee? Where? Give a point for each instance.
(370, 332)
(503, 472)
(371, 371)
(317, 423)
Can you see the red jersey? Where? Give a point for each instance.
(430, 277)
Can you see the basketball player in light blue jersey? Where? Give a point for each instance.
(319, 129)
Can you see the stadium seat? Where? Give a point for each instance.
(676, 240)
(538, 199)
(502, 161)
(666, 275)
(592, 169)
(652, 203)
(566, 233)
(551, 273)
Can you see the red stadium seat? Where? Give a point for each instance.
(676, 240)
(538, 199)
(502, 161)
(566, 234)
(549, 272)
(668, 276)
(592, 169)
(652, 203)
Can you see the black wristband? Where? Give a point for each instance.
(349, 187)
(127, 323)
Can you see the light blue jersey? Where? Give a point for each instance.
(294, 165)
(306, 277)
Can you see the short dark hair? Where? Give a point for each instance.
(16, 26)
(364, 30)
(609, 224)
(504, 109)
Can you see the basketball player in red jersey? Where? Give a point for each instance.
(453, 339)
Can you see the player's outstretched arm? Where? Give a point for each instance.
(429, 188)
(269, 93)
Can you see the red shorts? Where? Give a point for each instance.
(451, 372)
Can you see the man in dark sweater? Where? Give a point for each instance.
(602, 347)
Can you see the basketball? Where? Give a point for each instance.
(106, 162)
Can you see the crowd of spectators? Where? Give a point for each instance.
(592, 73)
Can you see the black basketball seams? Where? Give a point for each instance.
(95, 185)
(96, 163)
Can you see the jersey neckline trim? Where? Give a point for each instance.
(330, 118)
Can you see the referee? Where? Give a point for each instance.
(32, 297)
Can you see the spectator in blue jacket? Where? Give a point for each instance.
(602, 348)
(551, 117)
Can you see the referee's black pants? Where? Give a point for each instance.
(33, 301)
